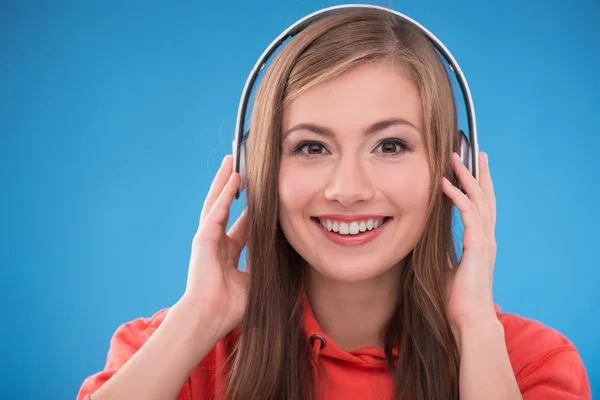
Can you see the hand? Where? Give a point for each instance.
(469, 286)
(215, 285)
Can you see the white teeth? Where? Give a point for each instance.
(363, 226)
(343, 228)
(351, 228)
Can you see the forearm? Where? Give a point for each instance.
(485, 368)
(161, 366)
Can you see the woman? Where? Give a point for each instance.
(355, 291)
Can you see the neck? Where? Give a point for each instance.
(353, 314)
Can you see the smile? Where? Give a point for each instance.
(352, 227)
(351, 231)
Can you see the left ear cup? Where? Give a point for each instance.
(464, 151)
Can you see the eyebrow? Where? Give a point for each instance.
(376, 127)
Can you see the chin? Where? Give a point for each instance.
(352, 268)
(349, 262)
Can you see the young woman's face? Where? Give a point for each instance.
(354, 175)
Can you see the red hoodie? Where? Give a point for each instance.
(546, 364)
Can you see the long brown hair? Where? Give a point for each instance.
(273, 356)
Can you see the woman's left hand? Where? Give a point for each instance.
(469, 286)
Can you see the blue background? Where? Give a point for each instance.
(114, 119)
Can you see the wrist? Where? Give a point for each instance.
(473, 317)
(467, 329)
(198, 329)
(202, 313)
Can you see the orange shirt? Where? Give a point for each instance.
(546, 364)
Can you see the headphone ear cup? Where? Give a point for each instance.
(464, 150)
(242, 171)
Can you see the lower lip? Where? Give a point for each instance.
(352, 240)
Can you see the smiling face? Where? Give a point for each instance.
(354, 178)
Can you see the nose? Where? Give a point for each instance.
(349, 182)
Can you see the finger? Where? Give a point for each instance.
(475, 230)
(485, 181)
(469, 213)
(471, 186)
(219, 213)
(217, 185)
(237, 232)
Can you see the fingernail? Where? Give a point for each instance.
(485, 158)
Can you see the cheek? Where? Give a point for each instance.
(298, 185)
(407, 186)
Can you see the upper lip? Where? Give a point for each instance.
(350, 217)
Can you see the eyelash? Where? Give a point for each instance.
(302, 145)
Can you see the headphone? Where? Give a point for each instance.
(467, 147)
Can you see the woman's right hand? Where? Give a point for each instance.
(215, 286)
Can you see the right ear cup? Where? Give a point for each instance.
(242, 170)
(239, 163)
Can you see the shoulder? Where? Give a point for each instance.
(130, 336)
(545, 362)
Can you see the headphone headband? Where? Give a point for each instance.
(468, 153)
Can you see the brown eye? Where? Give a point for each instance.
(310, 149)
(390, 147)
(313, 148)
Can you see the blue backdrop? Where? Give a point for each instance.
(115, 117)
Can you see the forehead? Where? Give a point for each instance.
(357, 98)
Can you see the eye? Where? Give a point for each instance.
(310, 148)
(391, 146)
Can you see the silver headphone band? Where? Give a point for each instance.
(302, 23)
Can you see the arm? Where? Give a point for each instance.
(543, 363)
(549, 366)
(152, 363)
(485, 368)
(159, 369)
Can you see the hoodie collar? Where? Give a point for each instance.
(323, 346)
